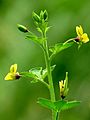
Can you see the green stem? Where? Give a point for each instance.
(53, 54)
(51, 86)
(52, 94)
(57, 116)
(69, 40)
(46, 84)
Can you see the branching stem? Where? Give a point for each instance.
(46, 84)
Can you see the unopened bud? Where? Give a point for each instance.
(36, 17)
(41, 15)
(45, 15)
(22, 28)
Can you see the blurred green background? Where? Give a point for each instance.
(18, 98)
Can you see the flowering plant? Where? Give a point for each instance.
(39, 74)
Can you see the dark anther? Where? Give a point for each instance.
(17, 76)
(62, 96)
(77, 39)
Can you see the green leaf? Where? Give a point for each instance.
(70, 104)
(59, 104)
(27, 74)
(53, 67)
(37, 72)
(34, 38)
(46, 103)
(44, 72)
(30, 75)
(34, 73)
(34, 81)
(39, 30)
(47, 28)
(59, 47)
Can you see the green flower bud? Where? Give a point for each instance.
(36, 17)
(45, 15)
(22, 28)
(41, 15)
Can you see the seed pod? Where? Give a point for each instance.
(22, 28)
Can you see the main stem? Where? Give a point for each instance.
(51, 86)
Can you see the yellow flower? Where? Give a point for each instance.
(83, 37)
(13, 74)
(63, 84)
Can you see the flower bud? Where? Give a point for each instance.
(45, 15)
(41, 15)
(36, 17)
(22, 28)
(63, 84)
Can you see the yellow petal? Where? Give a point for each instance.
(79, 30)
(85, 38)
(13, 68)
(9, 76)
(61, 85)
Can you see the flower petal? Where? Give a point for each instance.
(61, 85)
(13, 68)
(9, 76)
(85, 38)
(79, 30)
